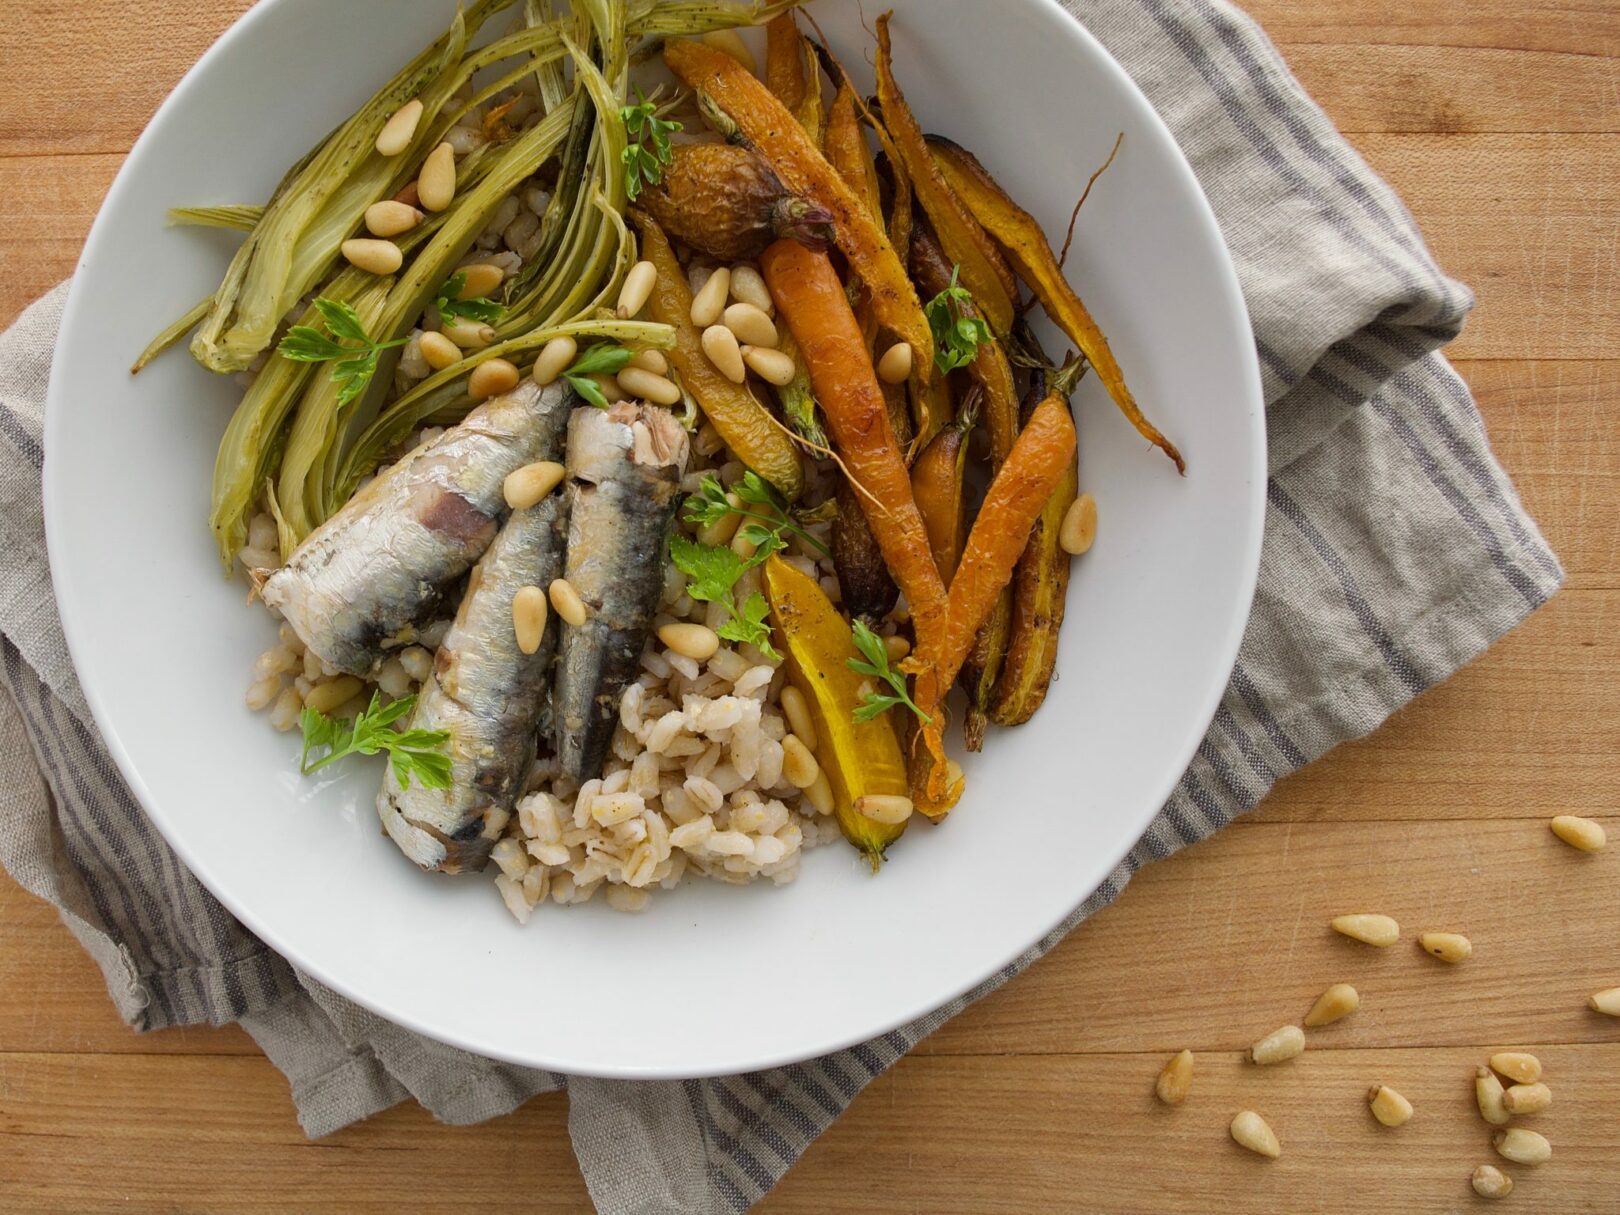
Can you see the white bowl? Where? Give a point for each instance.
(711, 979)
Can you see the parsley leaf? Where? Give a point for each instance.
(957, 334)
(711, 503)
(877, 665)
(604, 358)
(712, 572)
(451, 307)
(648, 150)
(418, 753)
(353, 366)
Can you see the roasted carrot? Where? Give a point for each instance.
(937, 484)
(1016, 231)
(750, 432)
(863, 576)
(777, 136)
(791, 72)
(984, 271)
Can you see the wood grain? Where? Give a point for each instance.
(1499, 123)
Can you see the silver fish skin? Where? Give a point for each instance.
(359, 583)
(624, 470)
(486, 694)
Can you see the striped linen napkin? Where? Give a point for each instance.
(1396, 550)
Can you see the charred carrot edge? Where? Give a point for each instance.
(1016, 231)
(776, 135)
(937, 483)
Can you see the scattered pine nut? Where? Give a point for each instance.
(1606, 1002)
(324, 697)
(1252, 1131)
(611, 392)
(720, 344)
(751, 325)
(798, 765)
(651, 360)
(772, 366)
(644, 385)
(482, 278)
(1447, 946)
(1580, 833)
(555, 357)
(567, 603)
(491, 378)
(729, 42)
(637, 290)
(896, 647)
(1491, 1182)
(695, 641)
(1175, 1079)
(1279, 1045)
(710, 301)
(468, 334)
(895, 365)
(373, 256)
(1377, 930)
(1388, 1106)
(529, 617)
(820, 795)
(748, 287)
(1336, 1002)
(525, 486)
(390, 218)
(1488, 1095)
(797, 712)
(1526, 1098)
(720, 532)
(1078, 531)
(436, 183)
(438, 351)
(400, 129)
(1522, 1146)
(888, 808)
(1517, 1065)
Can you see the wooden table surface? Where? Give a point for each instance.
(1499, 123)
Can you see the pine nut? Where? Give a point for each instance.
(1338, 1001)
(751, 325)
(400, 129)
(1517, 1065)
(637, 289)
(1527, 1098)
(1252, 1131)
(650, 360)
(1279, 1045)
(895, 365)
(720, 344)
(772, 366)
(261, 693)
(525, 486)
(1377, 930)
(1078, 531)
(748, 287)
(1175, 1080)
(798, 765)
(729, 42)
(820, 795)
(1388, 1106)
(896, 647)
(390, 218)
(482, 278)
(436, 183)
(1606, 1002)
(438, 351)
(646, 386)
(609, 388)
(373, 256)
(1491, 1182)
(491, 378)
(565, 599)
(1522, 1146)
(529, 617)
(1488, 1094)
(324, 697)
(884, 807)
(1580, 833)
(720, 532)
(695, 641)
(469, 335)
(1447, 946)
(710, 301)
(743, 546)
(555, 357)
(797, 712)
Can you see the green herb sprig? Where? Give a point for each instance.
(712, 572)
(604, 358)
(711, 504)
(353, 365)
(418, 753)
(648, 150)
(451, 308)
(877, 666)
(957, 335)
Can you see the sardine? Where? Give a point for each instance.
(624, 469)
(360, 583)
